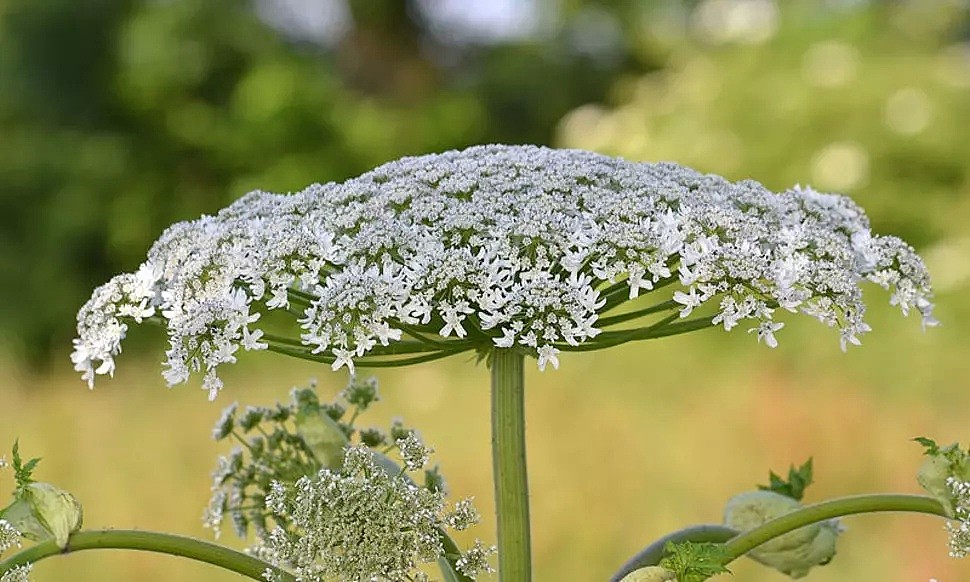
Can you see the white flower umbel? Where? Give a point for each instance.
(496, 246)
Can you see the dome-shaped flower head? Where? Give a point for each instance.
(497, 246)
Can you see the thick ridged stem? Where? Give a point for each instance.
(508, 465)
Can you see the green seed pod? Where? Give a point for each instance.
(794, 553)
(650, 574)
(41, 511)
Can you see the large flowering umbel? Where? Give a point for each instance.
(496, 246)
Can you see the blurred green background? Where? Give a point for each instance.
(119, 117)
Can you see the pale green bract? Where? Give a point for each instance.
(794, 553)
(650, 574)
(41, 511)
(496, 246)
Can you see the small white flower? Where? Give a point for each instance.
(507, 340)
(766, 331)
(548, 355)
(688, 300)
(344, 358)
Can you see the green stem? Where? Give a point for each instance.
(508, 464)
(607, 321)
(181, 546)
(667, 326)
(817, 512)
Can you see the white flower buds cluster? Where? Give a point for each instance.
(496, 246)
(9, 536)
(17, 574)
(363, 522)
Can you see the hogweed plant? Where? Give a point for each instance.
(509, 253)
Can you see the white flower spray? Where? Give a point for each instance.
(496, 246)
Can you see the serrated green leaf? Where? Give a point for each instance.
(694, 562)
(798, 480)
(22, 471)
(932, 448)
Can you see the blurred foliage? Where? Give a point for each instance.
(120, 117)
(866, 98)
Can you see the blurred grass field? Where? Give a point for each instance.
(624, 445)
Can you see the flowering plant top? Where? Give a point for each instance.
(496, 246)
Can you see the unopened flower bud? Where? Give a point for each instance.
(794, 553)
(650, 574)
(41, 511)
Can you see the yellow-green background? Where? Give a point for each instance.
(624, 445)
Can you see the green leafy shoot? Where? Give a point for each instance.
(956, 457)
(694, 562)
(932, 449)
(22, 471)
(798, 480)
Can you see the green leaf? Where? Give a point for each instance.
(694, 562)
(22, 471)
(798, 480)
(929, 444)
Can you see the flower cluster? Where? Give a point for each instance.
(9, 536)
(324, 500)
(496, 246)
(959, 528)
(18, 574)
(291, 440)
(362, 522)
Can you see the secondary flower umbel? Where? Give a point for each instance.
(496, 246)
